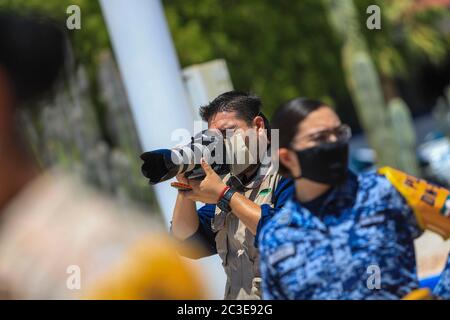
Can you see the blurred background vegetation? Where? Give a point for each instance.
(282, 49)
(277, 49)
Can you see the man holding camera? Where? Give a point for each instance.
(238, 204)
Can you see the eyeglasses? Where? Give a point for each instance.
(340, 133)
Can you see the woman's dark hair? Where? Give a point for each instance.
(287, 118)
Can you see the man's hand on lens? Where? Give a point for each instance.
(208, 190)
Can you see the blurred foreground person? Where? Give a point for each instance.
(343, 236)
(58, 239)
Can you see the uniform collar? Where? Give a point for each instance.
(338, 198)
(342, 196)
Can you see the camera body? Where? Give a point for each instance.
(163, 164)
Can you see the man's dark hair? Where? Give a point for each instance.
(32, 53)
(287, 118)
(246, 105)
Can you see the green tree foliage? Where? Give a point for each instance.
(278, 49)
(410, 35)
(282, 49)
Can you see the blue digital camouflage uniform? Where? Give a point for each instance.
(442, 289)
(361, 229)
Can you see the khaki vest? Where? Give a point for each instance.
(235, 243)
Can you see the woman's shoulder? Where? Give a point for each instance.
(284, 221)
(375, 187)
(374, 180)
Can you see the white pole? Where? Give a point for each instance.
(151, 73)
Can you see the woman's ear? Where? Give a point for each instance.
(289, 161)
(285, 158)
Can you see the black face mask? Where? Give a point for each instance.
(325, 163)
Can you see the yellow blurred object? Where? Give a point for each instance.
(419, 294)
(430, 203)
(150, 270)
(61, 240)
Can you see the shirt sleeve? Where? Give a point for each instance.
(283, 192)
(204, 236)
